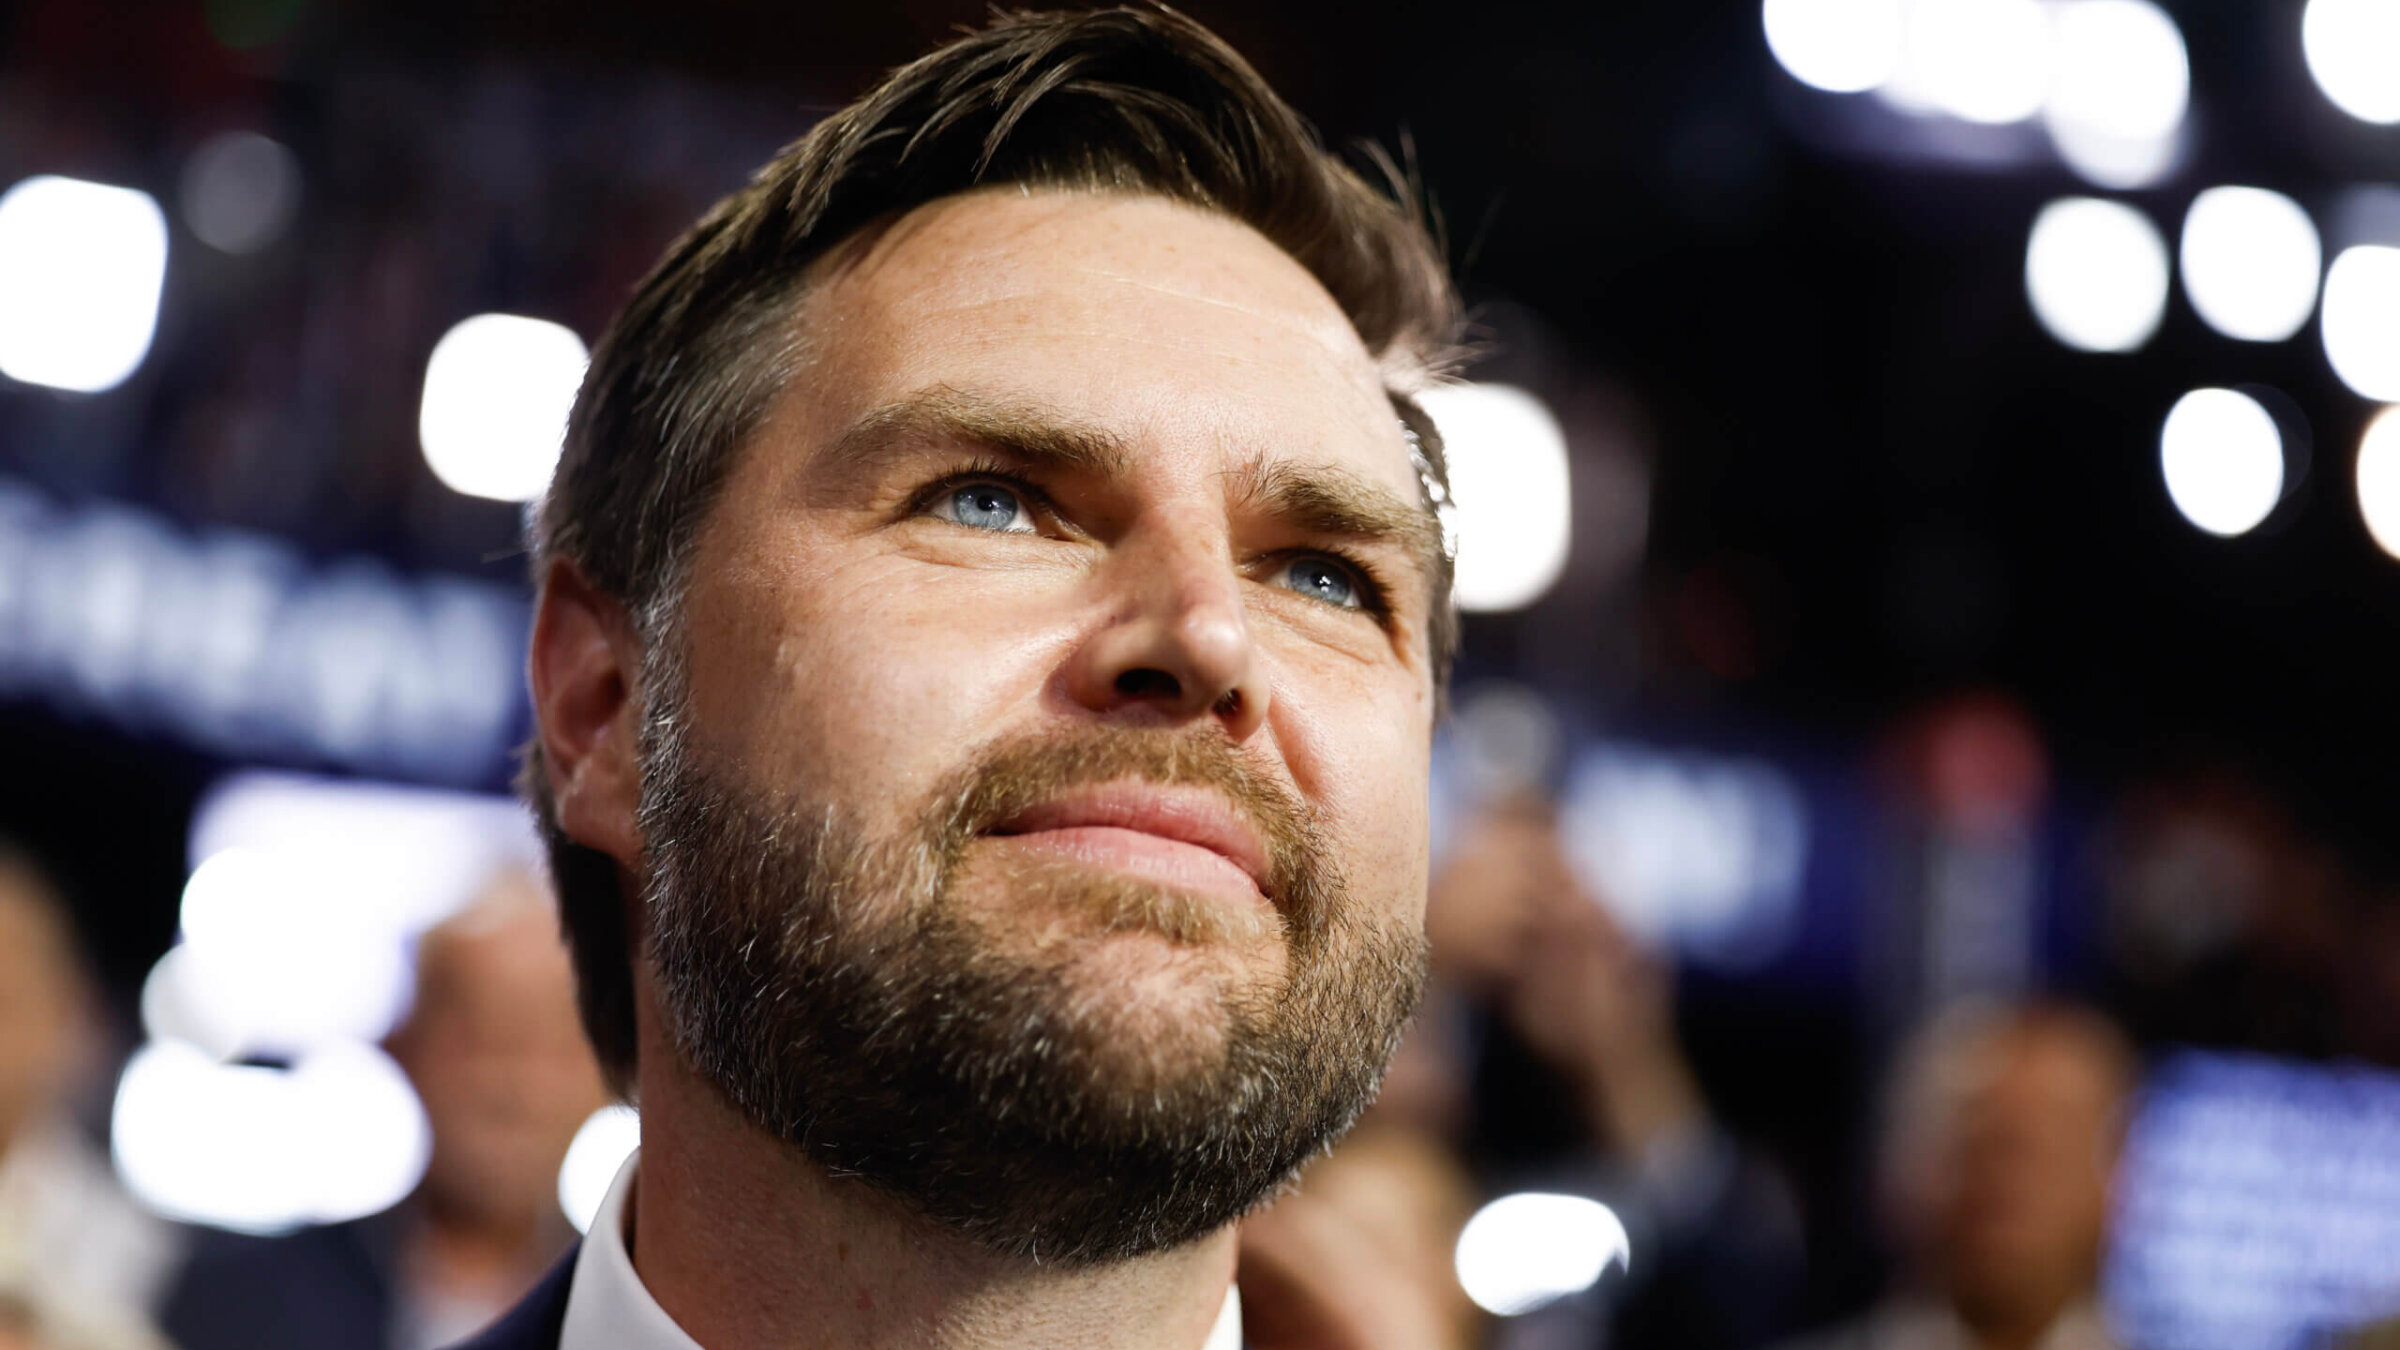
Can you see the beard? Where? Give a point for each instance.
(834, 983)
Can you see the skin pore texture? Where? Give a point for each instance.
(1206, 527)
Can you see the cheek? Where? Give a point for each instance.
(878, 671)
(1394, 835)
(1362, 751)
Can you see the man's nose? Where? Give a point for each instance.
(1176, 644)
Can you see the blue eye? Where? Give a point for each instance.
(1324, 579)
(987, 506)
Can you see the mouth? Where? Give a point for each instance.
(1186, 839)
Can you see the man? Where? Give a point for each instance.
(992, 610)
(491, 1046)
(2002, 1140)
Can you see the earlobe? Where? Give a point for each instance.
(581, 667)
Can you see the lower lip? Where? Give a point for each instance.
(1171, 863)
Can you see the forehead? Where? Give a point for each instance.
(2038, 1067)
(1166, 323)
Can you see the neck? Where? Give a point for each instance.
(2020, 1325)
(748, 1245)
(2008, 1336)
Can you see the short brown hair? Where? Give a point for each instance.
(1139, 100)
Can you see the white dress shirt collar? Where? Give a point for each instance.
(609, 1309)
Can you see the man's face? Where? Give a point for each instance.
(2009, 1195)
(1055, 651)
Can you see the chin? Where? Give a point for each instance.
(1151, 1008)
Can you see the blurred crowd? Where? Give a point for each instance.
(1550, 1063)
(495, 1054)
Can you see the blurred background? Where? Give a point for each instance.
(1914, 862)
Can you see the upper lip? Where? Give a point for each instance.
(1188, 815)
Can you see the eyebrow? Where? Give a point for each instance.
(1330, 501)
(1024, 431)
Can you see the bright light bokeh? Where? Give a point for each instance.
(498, 389)
(240, 191)
(1508, 475)
(599, 1151)
(297, 925)
(187, 1006)
(2116, 162)
(2120, 83)
(338, 1136)
(1980, 60)
(2118, 66)
(2353, 50)
(81, 268)
(2379, 480)
(1522, 1251)
(1840, 46)
(2361, 320)
(2251, 259)
(2097, 273)
(2222, 455)
(306, 896)
(409, 855)
(277, 957)
(1700, 855)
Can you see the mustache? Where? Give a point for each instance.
(1012, 775)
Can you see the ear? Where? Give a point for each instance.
(582, 665)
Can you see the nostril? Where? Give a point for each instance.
(1149, 682)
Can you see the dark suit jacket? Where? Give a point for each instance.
(534, 1323)
(326, 1288)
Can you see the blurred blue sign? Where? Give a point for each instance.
(1699, 853)
(235, 643)
(2258, 1205)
